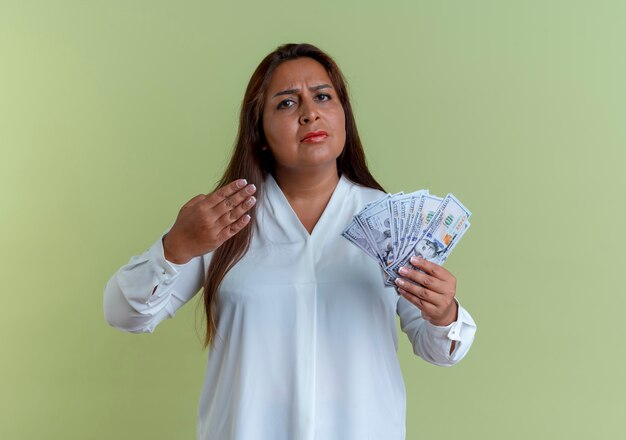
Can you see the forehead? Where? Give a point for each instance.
(296, 74)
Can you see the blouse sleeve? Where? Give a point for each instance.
(150, 289)
(431, 342)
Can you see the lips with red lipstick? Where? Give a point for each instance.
(315, 136)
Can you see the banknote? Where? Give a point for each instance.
(426, 210)
(446, 226)
(375, 221)
(357, 236)
(396, 227)
(395, 208)
(455, 241)
(403, 212)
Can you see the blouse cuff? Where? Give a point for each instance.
(144, 280)
(462, 331)
(453, 330)
(165, 270)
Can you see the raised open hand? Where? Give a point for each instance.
(207, 221)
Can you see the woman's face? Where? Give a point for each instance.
(303, 119)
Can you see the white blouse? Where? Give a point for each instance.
(306, 344)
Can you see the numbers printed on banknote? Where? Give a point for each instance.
(397, 227)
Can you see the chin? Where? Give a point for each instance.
(320, 161)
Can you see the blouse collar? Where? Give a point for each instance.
(286, 217)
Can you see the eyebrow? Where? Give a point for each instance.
(294, 91)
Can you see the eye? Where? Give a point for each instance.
(285, 103)
(323, 97)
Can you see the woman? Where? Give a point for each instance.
(301, 332)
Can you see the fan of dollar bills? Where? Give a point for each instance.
(396, 227)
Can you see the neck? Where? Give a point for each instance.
(302, 185)
(308, 192)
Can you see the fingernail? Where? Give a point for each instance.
(399, 282)
(415, 259)
(241, 183)
(251, 189)
(250, 201)
(246, 218)
(403, 270)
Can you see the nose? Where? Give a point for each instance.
(308, 114)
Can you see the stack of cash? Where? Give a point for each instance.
(397, 227)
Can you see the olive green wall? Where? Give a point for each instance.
(114, 113)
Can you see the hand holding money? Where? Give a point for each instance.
(431, 289)
(398, 228)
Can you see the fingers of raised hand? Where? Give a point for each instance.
(236, 213)
(226, 191)
(221, 194)
(233, 228)
(235, 200)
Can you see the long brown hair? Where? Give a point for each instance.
(253, 163)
